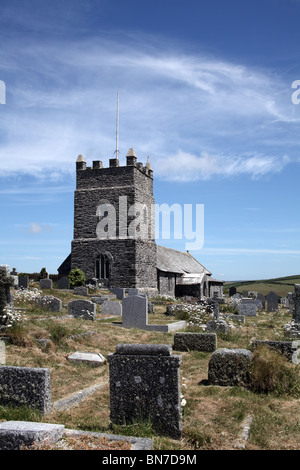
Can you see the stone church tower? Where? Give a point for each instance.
(114, 236)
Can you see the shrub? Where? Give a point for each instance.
(272, 373)
(76, 277)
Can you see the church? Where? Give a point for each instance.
(114, 234)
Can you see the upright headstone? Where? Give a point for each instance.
(23, 282)
(296, 313)
(144, 384)
(6, 300)
(81, 290)
(111, 307)
(82, 309)
(133, 291)
(232, 291)
(272, 302)
(63, 283)
(119, 292)
(247, 307)
(46, 283)
(262, 298)
(135, 312)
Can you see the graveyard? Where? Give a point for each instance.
(227, 388)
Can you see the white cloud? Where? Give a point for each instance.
(191, 113)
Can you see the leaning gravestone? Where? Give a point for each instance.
(63, 283)
(82, 309)
(272, 302)
(46, 283)
(144, 385)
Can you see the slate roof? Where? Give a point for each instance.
(169, 260)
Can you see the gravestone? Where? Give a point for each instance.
(82, 309)
(25, 386)
(247, 307)
(50, 303)
(63, 283)
(217, 324)
(16, 434)
(205, 342)
(6, 300)
(133, 291)
(111, 307)
(23, 282)
(296, 312)
(232, 291)
(135, 315)
(272, 302)
(144, 384)
(92, 359)
(258, 304)
(46, 283)
(262, 298)
(119, 292)
(81, 290)
(230, 367)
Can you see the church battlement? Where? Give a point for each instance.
(131, 161)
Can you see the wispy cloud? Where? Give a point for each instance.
(193, 114)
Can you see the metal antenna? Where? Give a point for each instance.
(117, 130)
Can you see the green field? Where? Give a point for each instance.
(280, 285)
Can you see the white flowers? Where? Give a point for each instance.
(26, 295)
(10, 317)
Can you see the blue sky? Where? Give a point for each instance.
(205, 90)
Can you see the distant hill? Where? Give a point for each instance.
(280, 285)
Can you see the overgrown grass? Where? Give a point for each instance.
(213, 415)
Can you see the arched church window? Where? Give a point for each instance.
(102, 267)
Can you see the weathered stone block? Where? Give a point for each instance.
(229, 367)
(206, 342)
(25, 386)
(46, 283)
(50, 303)
(92, 359)
(111, 307)
(15, 434)
(144, 383)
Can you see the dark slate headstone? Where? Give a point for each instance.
(232, 291)
(296, 313)
(119, 292)
(23, 282)
(272, 302)
(135, 312)
(63, 283)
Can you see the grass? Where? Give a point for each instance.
(213, 415)
(281, 286)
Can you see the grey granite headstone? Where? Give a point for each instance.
(63, 283)
(111, 307)
(247, 307)
(46, 283)
(25, 386)
(272, 302)
(50, 303)
(82, 309)
(15, 434)
(135, 312)
(119, 292)
(144, 384)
